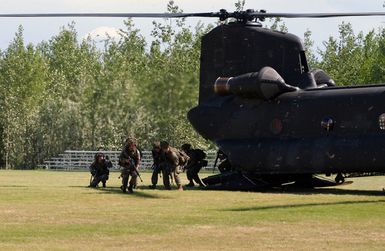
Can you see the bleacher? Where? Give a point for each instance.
(81, 160)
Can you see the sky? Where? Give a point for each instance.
(42, 29)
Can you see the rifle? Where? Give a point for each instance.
(216, 161)
(137, 173)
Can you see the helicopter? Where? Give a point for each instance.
(277, 121)
(274, 119)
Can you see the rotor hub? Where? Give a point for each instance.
(248, 15)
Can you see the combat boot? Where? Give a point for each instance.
(152, 186)
(130, 189)
(191, 184)
(201, 184)
(180, 187)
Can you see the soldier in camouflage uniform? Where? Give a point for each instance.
(194, 164)
(129, 160)
(156, 167)
(100, 170)
(171, 165)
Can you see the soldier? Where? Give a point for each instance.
(171, 165)
(93, 169)
(129, 160)
(100, 170)
(156, 156)
(225, 165)
(194, 165)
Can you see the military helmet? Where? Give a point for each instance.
(164, 144)
(131, 140)
(156, 145)
(186, 147)
(99, 155)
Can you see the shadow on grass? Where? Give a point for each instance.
(302, 205)
(12, 186)
(307, 191)
(173, 188)
(334, 191)
(137, 193)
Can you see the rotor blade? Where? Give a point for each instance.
(317, 15)
(145, 15)
(223, 14)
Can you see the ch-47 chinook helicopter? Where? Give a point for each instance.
(276, 120)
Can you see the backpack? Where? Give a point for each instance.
(200, 154)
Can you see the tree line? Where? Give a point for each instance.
(67, 93)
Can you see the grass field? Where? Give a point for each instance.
(47, 210)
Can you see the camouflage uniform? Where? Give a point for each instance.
(129, 160)
(100, 170)
(172, 166)
(157, 158)
(194, 165)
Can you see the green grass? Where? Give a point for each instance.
(46, 210)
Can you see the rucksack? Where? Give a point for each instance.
(200, 154)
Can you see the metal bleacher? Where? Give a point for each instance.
(81, 160)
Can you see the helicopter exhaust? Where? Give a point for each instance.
(265, 84)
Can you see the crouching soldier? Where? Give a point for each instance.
(156, 167)
(225, 165)
(195, 163)
(129, 161)
(171, 165)
(100, 170)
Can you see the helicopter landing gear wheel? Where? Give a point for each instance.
(339, 178)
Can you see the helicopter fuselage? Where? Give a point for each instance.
(326, 130)
(277, 120)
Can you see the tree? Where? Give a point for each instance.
(23, 77)
(310, 55)
(168, 97)
(346, 52)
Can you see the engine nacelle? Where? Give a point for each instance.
(265, 84)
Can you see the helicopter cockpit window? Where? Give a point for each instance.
(303, 62)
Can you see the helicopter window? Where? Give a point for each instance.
(303, 62)
(327, 123)
(381, 121)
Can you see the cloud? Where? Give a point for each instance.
(104, 32)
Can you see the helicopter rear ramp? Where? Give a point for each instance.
(234, 181)
(238, 181)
